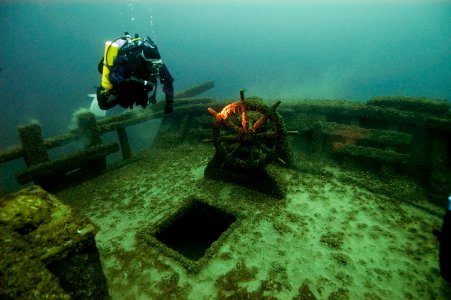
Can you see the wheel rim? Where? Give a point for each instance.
(248, 134)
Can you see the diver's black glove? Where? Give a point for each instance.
(168, 106)
(138, 83)
(148, 86)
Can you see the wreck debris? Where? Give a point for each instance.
(48, 250)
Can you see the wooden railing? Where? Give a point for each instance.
(92, 159)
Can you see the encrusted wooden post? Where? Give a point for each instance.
(32, 142)
(439, 175)
(123, 142)
(90, 135)
(89, 131)
(317, 142)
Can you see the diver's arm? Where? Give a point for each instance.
(133, 83)
(121, 79)
(166, 80)
(138, 82)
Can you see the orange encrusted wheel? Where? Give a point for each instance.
(248, 134)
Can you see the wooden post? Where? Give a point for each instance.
(90, 135)
(89, 130)
(123, 141)
(318, 137)
(439, 173)
(32, 142)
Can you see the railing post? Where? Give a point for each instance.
(438, 175)
(90, 135)
(317, 141)
(32, 142)
(89, 130)
(123, 142)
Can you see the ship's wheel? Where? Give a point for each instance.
(248, 134)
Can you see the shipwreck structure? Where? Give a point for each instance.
(91, 160)
(408, 136)
(227, 184)
(47, 249)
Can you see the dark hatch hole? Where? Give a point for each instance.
(193, 232)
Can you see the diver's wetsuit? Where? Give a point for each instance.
(129, 77)
(444, 238)
(130, 91)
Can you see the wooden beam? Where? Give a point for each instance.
(69, 163)
(195, 90)
(11, 153)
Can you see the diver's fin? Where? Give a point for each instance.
(95, 109)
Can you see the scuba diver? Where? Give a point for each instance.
(444, 238)
(130, 69)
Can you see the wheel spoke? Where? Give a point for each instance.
(266, 149)
(269, 135)
(244, 119)
(251, 155)
(259, 122)
(232, 126)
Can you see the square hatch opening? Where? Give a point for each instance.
(195, 229)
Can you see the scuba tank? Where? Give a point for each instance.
(125, 45)
(110, 54)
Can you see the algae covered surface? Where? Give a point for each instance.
(338, 234)
(47, 249)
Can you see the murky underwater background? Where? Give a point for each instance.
(296, 49)
(331, 235)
